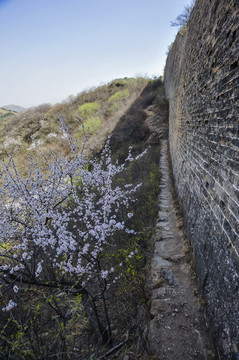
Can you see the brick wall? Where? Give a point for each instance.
(202, 86)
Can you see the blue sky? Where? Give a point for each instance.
(51, 49)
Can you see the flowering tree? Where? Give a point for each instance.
(56, 224)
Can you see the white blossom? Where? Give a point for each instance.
(9, 306)
(61, 216)
(38, 270)
(104, 274)
(15, 288)
(130, 215)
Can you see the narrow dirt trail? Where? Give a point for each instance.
(177, 329)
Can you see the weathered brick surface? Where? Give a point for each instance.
(202, 85)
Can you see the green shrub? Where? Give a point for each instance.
(119, 96)
(91, 125)
(116, 99)
(89, 110)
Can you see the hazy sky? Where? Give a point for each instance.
(51, 49)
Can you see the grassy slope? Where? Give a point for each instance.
(40, 126)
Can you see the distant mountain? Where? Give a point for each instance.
(15, 108)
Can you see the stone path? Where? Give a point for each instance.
(177, 329)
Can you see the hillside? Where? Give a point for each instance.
(93, 248)
(98, 109)
(5, 113)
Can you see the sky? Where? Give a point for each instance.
(51, 49)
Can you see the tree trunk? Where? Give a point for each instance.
(92, 315)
